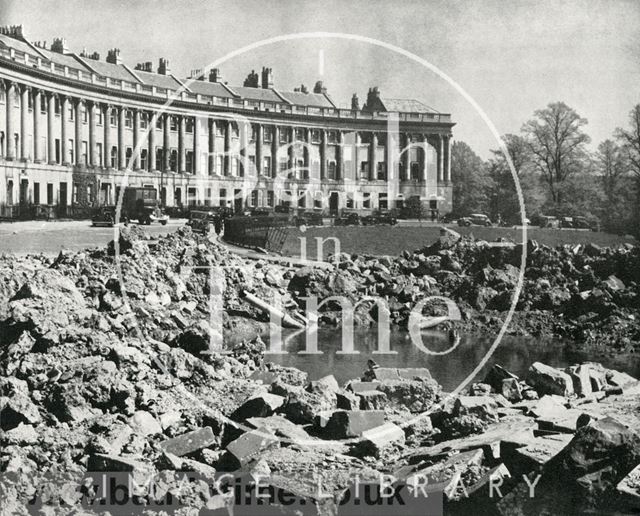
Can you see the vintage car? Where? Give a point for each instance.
(105, 217)
(380, 217)
(347, 219)
(309, 218)
(261, 212)
(475, 219)
(200, 221)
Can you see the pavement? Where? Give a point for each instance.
(51, 237)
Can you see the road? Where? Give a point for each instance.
(54, 236)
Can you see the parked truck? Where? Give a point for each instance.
(138, 204)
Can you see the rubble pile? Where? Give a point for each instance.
(584, 292)
(106, 365)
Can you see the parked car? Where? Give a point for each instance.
(586, 223)
(450, 218)
(200, 221)
(309, 218)
(347, 219)
(380, 217)
(475, 219)
(105, 217)
(548, 221)
(261, 212)
(284, 209)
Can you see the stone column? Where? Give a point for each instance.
(106, 110)
(227, 148)
(356, 157)
(166, 149)
(323, 154)
(306, 151)
(78, 144)
(93, 160)
(152, 116)
(275, 144)
(51, 116)
(181, 148)
(424, 155)
(36, 126)
(373, 173)
(64, 141)
(406, 157)
(339, 155)
(448, 159)
(440, 158)
(211, 159)
(24, 113)
(196, 146)
(259, 167)
(292, 157)
(10, 137)
(122, 152)
(136, 139)
(243, 129)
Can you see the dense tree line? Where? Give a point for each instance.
(557, 173)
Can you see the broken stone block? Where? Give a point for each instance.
(488, 485)
(614, 283)
(281, 427)
(139, 469)
(380, 439)
(581, 379)
(536, 454)
(190, 442)
(144, 423)
(352, 423)
(548, 406)
(261, 405)
(372, 400)
(347, 400)
(169, 419)
(392, 373)
(249, 446)
(446, 476)
(619, 379)
(22, 434)
(511, 390)
(481, 406)
(549, 380)
(325, 384)
(357, 386)
(480, 389)
(18, 409)
(496, 375)
(628, 491)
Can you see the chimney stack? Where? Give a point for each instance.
(163, 66)
(252, 80)
(113, 56)
(147, 66)
(13, 31)
(215, 75)
(319, 88)
(59, 45)
(267, 78)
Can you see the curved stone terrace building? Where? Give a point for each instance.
(75, 129)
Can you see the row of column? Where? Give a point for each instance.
(443, 142)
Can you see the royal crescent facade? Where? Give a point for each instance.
(75, 129)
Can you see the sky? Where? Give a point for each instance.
(512, 57)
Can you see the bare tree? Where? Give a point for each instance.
(520, 153)
(611, 165)
(556, 142)
(630, 139)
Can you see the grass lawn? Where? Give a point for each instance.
(392, 240)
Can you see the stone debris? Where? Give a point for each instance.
(102, 376)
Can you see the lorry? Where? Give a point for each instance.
(138, 203)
